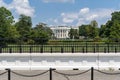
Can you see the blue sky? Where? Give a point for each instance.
(63, 12)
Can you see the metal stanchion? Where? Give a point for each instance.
(9, 74)
(50, 73)
(92, 73)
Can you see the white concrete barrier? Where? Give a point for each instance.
(60, 61)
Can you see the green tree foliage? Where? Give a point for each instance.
(111, 30)
(24, 26)
(84, 31)
(41, 33)
(6, 20)
(94, 29)
(7, 29)
(73, 34)
(89, 31)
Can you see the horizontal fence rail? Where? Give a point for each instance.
(83, 48)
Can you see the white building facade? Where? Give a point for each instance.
(61, 31)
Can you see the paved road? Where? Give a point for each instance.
(56, 76)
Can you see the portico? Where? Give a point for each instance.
(61, 31)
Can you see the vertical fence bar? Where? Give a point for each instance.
(108, 48)
(0, 49)
(86, 47)
(9, 74)
(50, 73)
(92, 73)
(51, 49)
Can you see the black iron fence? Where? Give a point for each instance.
(80, 48)
(53, 74)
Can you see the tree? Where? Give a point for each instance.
(6, 20)
(73, 34)
(41, 33)
(89, 31)
(83, 31)
(24, 26)
(115, 32)
(112, 28)
(7, 29)
(94, 29)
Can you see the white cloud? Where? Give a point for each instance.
(84, 10)
(69, 17)
(20, 7)
(66, 20)
(59, 1)
(2, 3)
(86, 15)
(92, 17)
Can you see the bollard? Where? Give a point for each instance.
(9, 74)
(92, 73)
(50, 73)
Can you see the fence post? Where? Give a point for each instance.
(86, 47)
(0, 49)
(41, 49)
(83, 50)
(9, 74)
(94, 50)
(51, 49)
(72, 49)
(30, 49)
(20, 49)
(108, 48)
(92, 73)
(115, 50)
(104, 50)
(10, 50)
(50, 73)
(62, 50)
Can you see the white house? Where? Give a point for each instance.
(61, 31)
